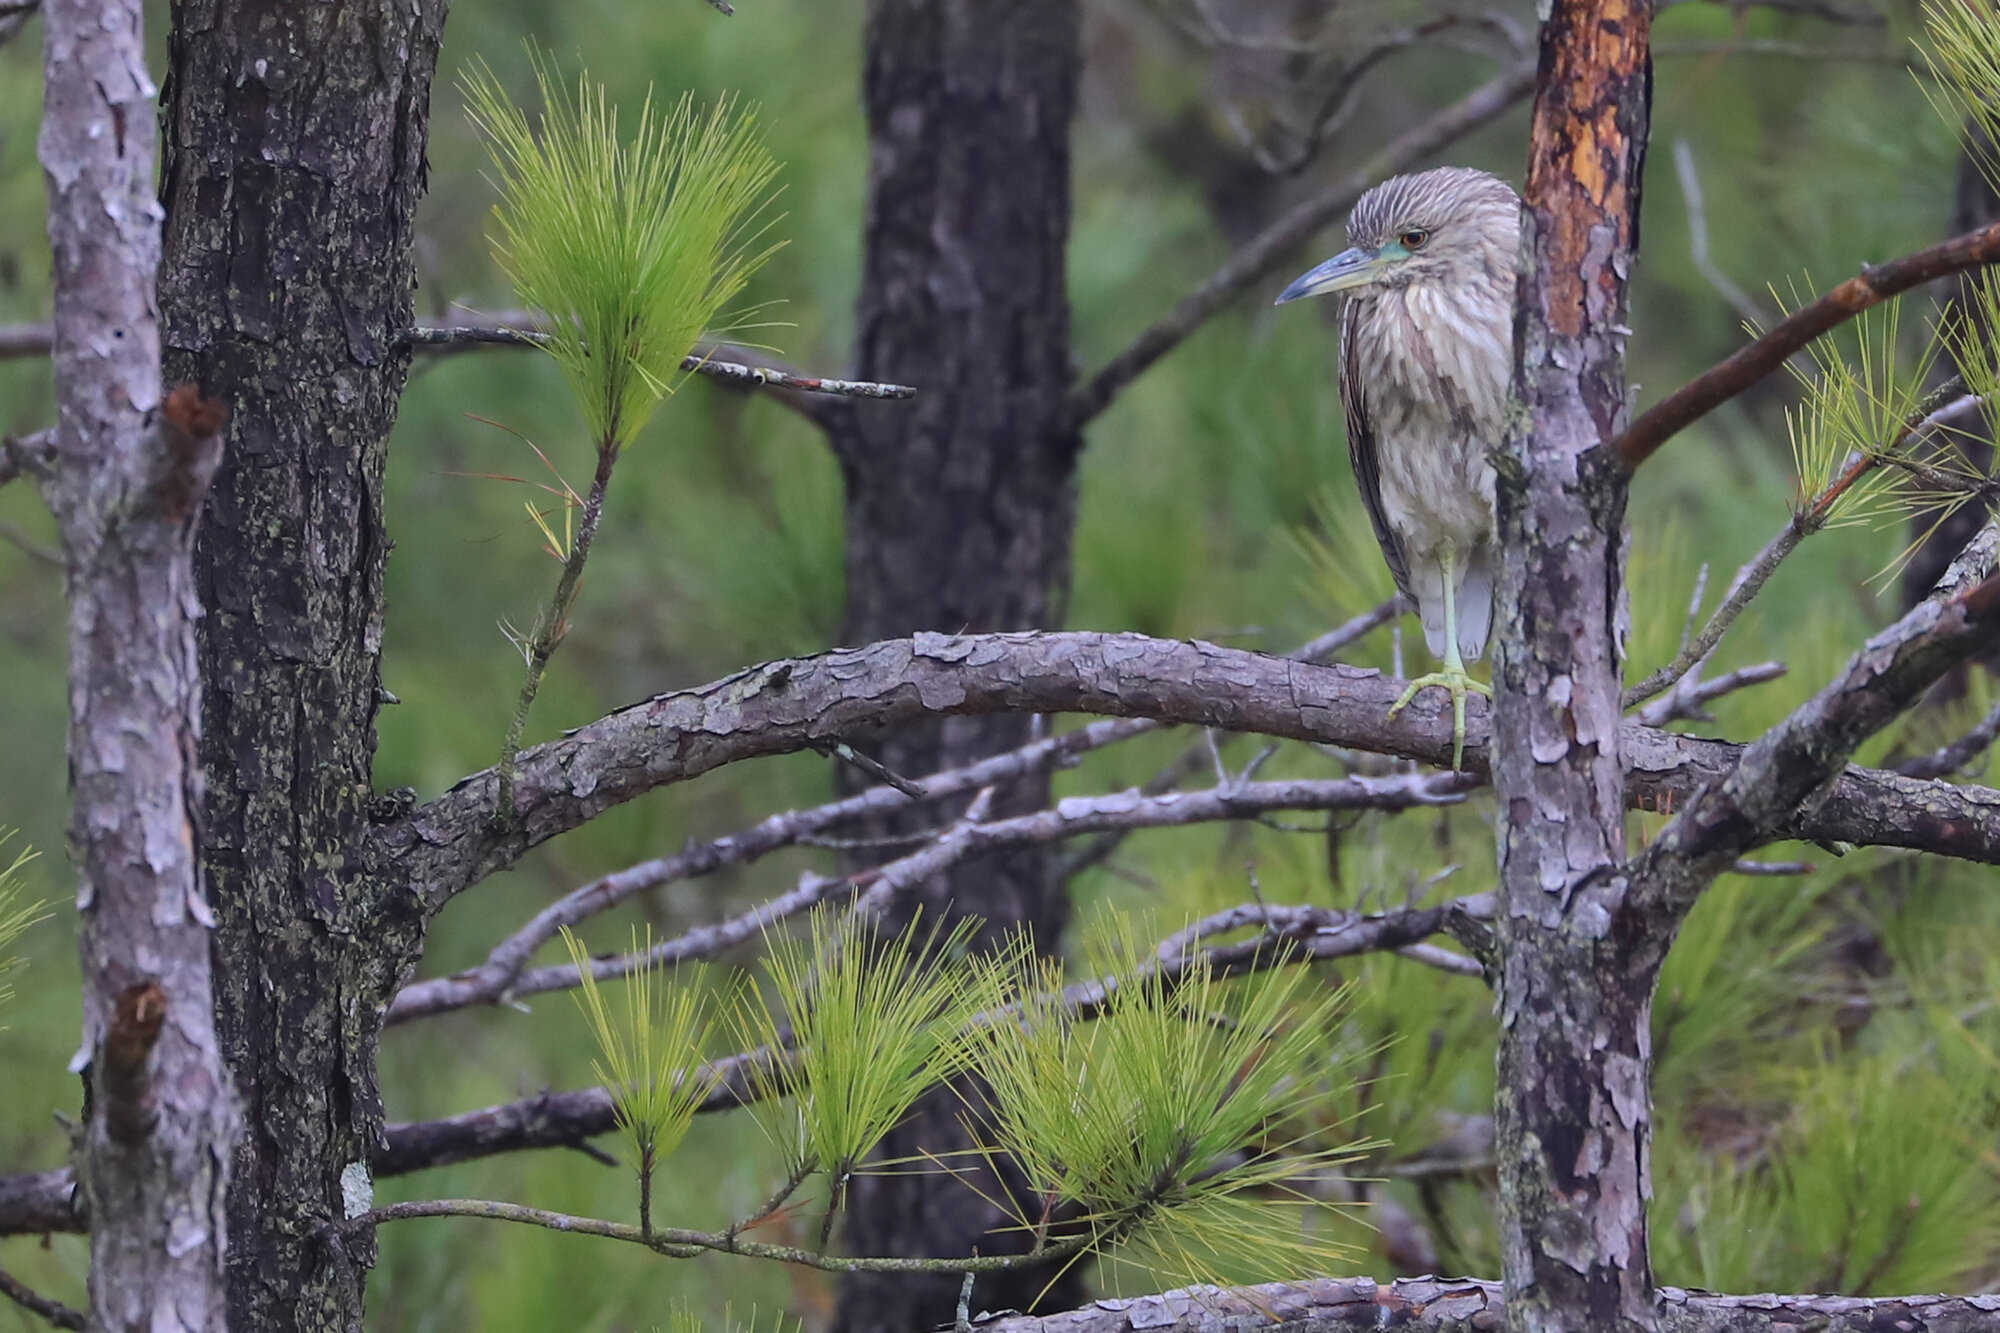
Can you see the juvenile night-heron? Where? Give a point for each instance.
(1426, 350)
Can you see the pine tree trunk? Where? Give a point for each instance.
(1572, 1111)
(295, 157)
(128, 475)
(960, 505)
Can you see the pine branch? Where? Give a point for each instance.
(782, 707)
(1809, 518)
(1745, 367)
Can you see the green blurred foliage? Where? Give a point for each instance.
(1828, 1080)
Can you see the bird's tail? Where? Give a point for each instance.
(1475, 603)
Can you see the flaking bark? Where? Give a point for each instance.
(130, 467)
(448, 844)
(1571, 1107)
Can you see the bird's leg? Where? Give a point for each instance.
(1453, 678)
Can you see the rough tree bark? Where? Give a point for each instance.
(960, 505)
(295, 157)
(1571, 1106)
(129, 474)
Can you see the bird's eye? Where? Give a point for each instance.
(1414, 238)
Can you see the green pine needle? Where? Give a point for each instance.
(1168, 1123)
(872, 1023)
(651, 1052)
(15, 915)
(1855, 409)
(629, 251)
(1963, 53)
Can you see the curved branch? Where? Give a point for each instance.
(782, 707)
(1744, 367)
(495, 977)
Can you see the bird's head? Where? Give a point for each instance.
(1451, 226)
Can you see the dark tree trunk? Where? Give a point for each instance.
(295, 156)
(960, 505)
(1571, 1110)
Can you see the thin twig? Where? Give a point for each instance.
(1697, 218)
(58, 1314)
(29, 547)
(1955, 757)
(872, 767)
(708, 361)
(677, 1242)
(1689, 697)
(552, 625)
(1806, 520)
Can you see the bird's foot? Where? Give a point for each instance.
(1458, 684)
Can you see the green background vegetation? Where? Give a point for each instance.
(1829, 1046)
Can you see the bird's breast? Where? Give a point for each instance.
(1434, 369)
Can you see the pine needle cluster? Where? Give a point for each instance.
(628, 250)
(1173, 1122)
(870, 1021)
(16, 915)
(650, 1045)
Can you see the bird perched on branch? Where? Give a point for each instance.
(1426, 352)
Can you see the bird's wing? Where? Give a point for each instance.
(1361, 450)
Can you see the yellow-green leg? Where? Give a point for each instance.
(1453, 678)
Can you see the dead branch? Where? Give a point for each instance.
(1689, 698)
(968, 837)
(1949, 759)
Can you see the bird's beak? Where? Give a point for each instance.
(1346, 270)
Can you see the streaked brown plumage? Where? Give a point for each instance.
(1426, 350)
